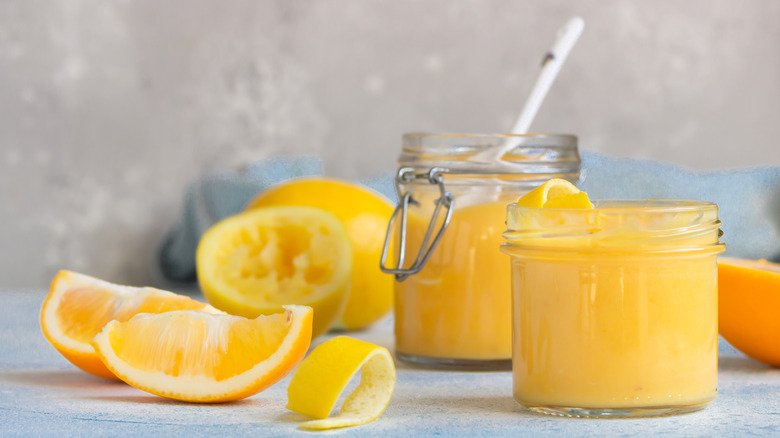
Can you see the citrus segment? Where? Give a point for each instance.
(748, 305)
(555, 193)
(201, 357)
(365, 215)
(322, 376)
(79, 306)
(257, 261)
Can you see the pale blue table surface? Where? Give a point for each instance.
(41, 394)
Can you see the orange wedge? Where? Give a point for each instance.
(748, 307)
(196, 356)
(79, 306)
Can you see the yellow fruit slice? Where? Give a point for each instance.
(201, 357)
(748, 307)
(555, 193)
(79, 306)
(257, 261)
(365, 215)
(322, 376)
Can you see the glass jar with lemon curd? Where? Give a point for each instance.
(452, 291)
(615, 307)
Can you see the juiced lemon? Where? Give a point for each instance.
(365, 215)
(256, 262)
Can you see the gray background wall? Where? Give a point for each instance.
(108, 109)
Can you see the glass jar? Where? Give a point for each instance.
(615, 308)
(452, 289)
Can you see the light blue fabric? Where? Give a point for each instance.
(748, 198)
(217, 195)
(749, 201)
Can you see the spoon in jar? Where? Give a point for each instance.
(565, 39)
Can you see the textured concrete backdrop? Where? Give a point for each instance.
(110, 108)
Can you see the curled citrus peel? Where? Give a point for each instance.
(322, 376)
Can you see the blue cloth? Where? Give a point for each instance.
(749, 201)
(220, 194)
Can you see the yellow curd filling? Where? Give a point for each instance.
(459, 305)
(614, 306)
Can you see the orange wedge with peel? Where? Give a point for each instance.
(79, 306)
(748, 307)
(196, 356)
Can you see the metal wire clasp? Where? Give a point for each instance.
(445, 201)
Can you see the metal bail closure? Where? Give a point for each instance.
(445, 201)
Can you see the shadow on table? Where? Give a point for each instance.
(65, 379)
(291, 417)
(150, 399)
(494, 404)
(743, 364)
(79, 383)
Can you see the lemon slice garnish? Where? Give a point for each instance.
(321, 378)
(555, 193)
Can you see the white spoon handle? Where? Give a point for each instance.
(565, 39)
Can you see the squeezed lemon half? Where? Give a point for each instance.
(365, 215)
(257, 261)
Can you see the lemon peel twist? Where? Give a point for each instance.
(321, 378)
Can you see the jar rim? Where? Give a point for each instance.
(632, 206)
(616, 224)
(488, 134)
(529, 154)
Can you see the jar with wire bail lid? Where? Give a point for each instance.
(452, 289)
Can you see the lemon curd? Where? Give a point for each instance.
(459, 305)
(452, 296)
(614, 308)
